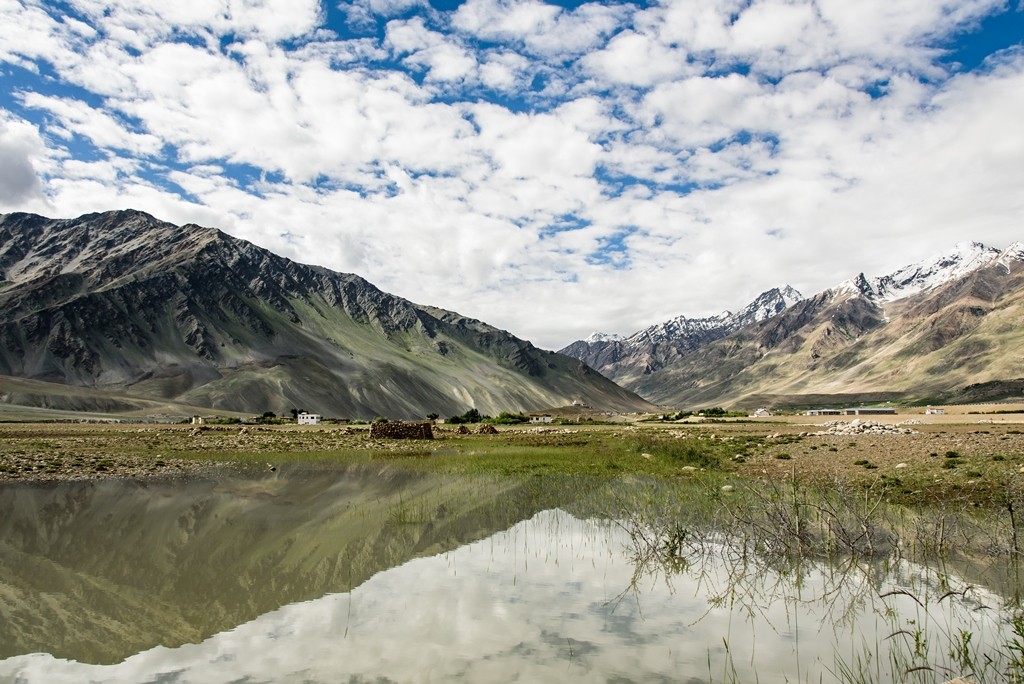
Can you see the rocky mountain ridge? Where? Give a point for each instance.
(124, 302)
(623, 359)
(926, 331)
(925, 275)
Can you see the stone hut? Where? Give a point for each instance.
(401, 431)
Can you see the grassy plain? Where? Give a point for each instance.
(953, 457)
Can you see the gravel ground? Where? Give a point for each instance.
(959, 460)
(67, 451)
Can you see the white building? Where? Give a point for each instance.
(309, 419)
(934, 411)
(541, 419)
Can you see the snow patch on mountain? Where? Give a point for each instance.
(683, 332)
(909, 280)
(679, 327)
(768, 304)
(597, 337)
(654, 345)
(1015, 252)
(964, 258)
(858, 286)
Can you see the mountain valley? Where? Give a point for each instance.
(121, 313)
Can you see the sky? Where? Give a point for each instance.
(553, 169)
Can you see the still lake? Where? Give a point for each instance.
(377, 574)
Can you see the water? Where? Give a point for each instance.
(383, 576)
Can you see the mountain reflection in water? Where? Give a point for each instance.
(551, 597)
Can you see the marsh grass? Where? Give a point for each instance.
(903, 565)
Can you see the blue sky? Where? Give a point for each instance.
(552, 169)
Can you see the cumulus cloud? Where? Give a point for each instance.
(78, 118)
(540, 28)
(417, 45)
(19, 142)
(637, 59)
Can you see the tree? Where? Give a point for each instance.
(470, 416)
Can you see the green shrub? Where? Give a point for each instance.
(505, 418)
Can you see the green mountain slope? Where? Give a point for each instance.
(124, 302)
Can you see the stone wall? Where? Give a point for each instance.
(401, 431)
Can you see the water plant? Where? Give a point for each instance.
(883, 559)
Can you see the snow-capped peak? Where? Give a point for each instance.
(857, 286)
(1015, 252)
(768, 304)
(964, 258)
(603, 337)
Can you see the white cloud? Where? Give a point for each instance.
(505, 71)
(363, 15)
(105, 131)
(39, 35)
(637, 59)
(504, 18)
(141, 23)
(541, 28)
(445, 60)
(412, 35)
(19, 144)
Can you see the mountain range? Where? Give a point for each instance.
(627, 360)
(119, 311)
(944, 329)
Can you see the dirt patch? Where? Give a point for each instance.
(938, 460)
